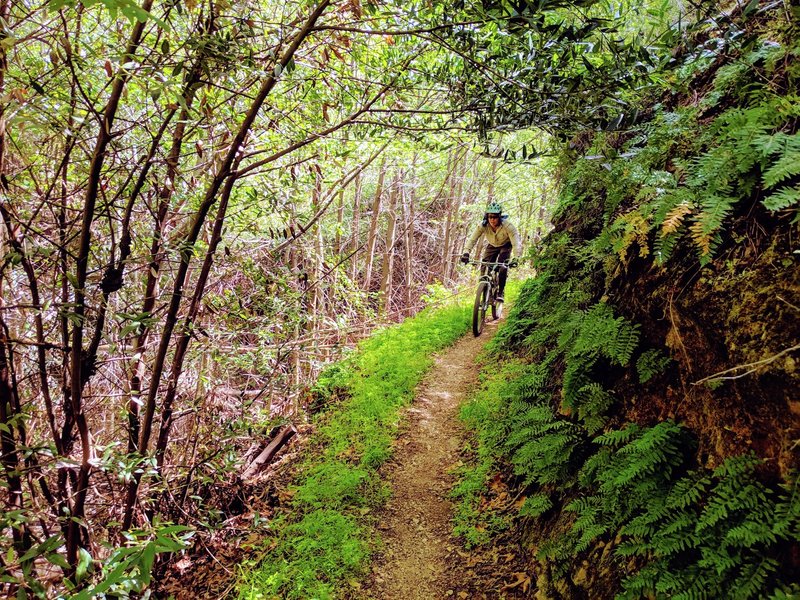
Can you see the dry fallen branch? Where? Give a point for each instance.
(263, 459)
(751, 367)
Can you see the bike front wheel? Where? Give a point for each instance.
(497, 309)
(479, 309)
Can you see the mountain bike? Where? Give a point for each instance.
(486, 295)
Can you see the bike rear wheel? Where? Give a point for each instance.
(479, 308)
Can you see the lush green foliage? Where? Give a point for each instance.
(201, 202)
(682, 174)
(325, 537)
(549, 65)
(697, 530)
(645, 200)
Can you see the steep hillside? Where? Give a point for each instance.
(650, 412)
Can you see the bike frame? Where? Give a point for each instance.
(486, 295)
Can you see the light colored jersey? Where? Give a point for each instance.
(505, 232)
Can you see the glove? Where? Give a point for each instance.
(513, 263)
(465, 257)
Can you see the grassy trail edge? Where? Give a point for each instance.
(325, 538)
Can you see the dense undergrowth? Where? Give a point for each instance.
(650, 466)
(322, 538)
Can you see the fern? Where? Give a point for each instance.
(655, 452)
(787, 511)
(626, 478)
(742, 142)
(617, 437)
(600, 333)
(687, 491)
(577, 376)
(675, 218)
(589, 524)
(711, 533)
(789, 592)
(787, 163)
(592, 402)
(530, 384)
(651, 363)
(596, 463)
(535, 506)
(542, 446)
(715, 209)
(783, 198)
(586, 337)
(750, 584)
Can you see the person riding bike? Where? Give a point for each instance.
(502, 238)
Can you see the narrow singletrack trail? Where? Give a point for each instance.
(420, 560)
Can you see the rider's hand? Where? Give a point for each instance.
(465, 257)
(513, 263)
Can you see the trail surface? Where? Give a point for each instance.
(421, 560)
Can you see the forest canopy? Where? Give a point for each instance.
(203, 202)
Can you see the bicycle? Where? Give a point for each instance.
(486, 295)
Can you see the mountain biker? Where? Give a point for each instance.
(502, 238)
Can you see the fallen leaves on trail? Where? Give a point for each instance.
(522, 579)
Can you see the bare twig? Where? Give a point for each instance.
(751, 367)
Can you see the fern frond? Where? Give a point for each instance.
(576, 377)
(751, 582)
(787, 166)
(590, 534)
(687, 491)
(593, 401)
(536, 505)
(787, 511)
(664, 246)
(783, 198)
(651, 363)
(749, 533)
(618, 437)
(584, 505)
(599, 461)
(675, 217)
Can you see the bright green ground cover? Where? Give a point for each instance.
(325, 538)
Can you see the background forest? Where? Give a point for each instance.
(205, 203)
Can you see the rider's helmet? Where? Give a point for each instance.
(494, 208)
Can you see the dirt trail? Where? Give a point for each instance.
(418, 559)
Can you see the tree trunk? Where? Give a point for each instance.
(338, 245)
(452, 162)
(408, 228)
(356, 229)
(266, 456)
(388, 254)
(317, 259)
(456, 197)
(373, 226)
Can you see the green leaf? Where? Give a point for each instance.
(84, 562)
(146, 564)
(50, 544)
(58, 560)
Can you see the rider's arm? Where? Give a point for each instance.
(516, 243)
(474, 239)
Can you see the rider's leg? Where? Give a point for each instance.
(503, 256)
(491, 253)
(490, 256)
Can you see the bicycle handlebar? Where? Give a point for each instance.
(482, 263)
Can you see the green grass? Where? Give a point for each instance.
(324, 539)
